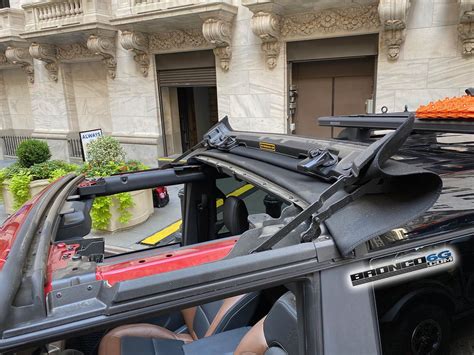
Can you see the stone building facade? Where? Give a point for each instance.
(157, 73)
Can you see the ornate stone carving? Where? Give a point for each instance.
(267, 26)
(138, 43)
(331, 20)
(21, 56)
(466, 26)
(179, 39)
(3, 59)
(74, 51)
(393, 16)
(48, 54)
(105, 47)
(218, 33)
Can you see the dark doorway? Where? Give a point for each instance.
(331, 87)
(197, 113)
(188, 98)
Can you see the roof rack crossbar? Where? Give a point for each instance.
(394, 120)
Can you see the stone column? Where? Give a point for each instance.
(430, 64)
(138, 43)
(218, 32)
(48, 54)
(50, 112)
(393, 17)
(104, 46)
(133, 100)
(20, 56)
(5, 120)
(466, 26)
(266, 25)
(253, 91)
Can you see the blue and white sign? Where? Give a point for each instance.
(87, 137)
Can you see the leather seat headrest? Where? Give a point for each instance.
(235, 215)
(280, 325)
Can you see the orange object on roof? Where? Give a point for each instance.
(448, 108)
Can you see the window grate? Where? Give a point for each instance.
(12, 143)
(75, 148)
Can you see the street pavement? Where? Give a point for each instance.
(129, 239)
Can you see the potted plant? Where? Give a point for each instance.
(111, 213)
(30, 174)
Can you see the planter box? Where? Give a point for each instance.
(141, 210)
(35, 188)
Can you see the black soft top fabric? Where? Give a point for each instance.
(408, 193)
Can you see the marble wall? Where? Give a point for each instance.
(133, 98)
(253, 96)
(17, 3)
(134, 109)
(5, 119)
(17, 100)
(430, 66)
(89, 81)
(48, 103)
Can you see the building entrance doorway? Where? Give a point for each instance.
(197, 113)
(330, 87)
(188, 98)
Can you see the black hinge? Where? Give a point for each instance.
(220, 137)
(320, 163)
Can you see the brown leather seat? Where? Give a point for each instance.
(274, 334)
(202, 321)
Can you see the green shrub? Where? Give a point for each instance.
(111, 168)
(56, 174)
(107, 157)
(100, 212)
(8, 172)
(125, 203)
(19, 178)
(101, 207)
(32, 151)
(20, 187)
(105, 150)
(48, 169)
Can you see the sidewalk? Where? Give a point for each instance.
(129, 239)
(5, 163)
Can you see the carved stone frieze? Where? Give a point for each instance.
(466, 26)
(179, 39)
(393, 17)
(267, 26)
(218, 33)
(139, 44)
(104, 47)
(21, 56)
(48, 54)
(328, 21)
(3, 59)
(74, 51)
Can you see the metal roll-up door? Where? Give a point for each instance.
(187, 77)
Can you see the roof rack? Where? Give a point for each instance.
(453, 115)
(394, 120)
